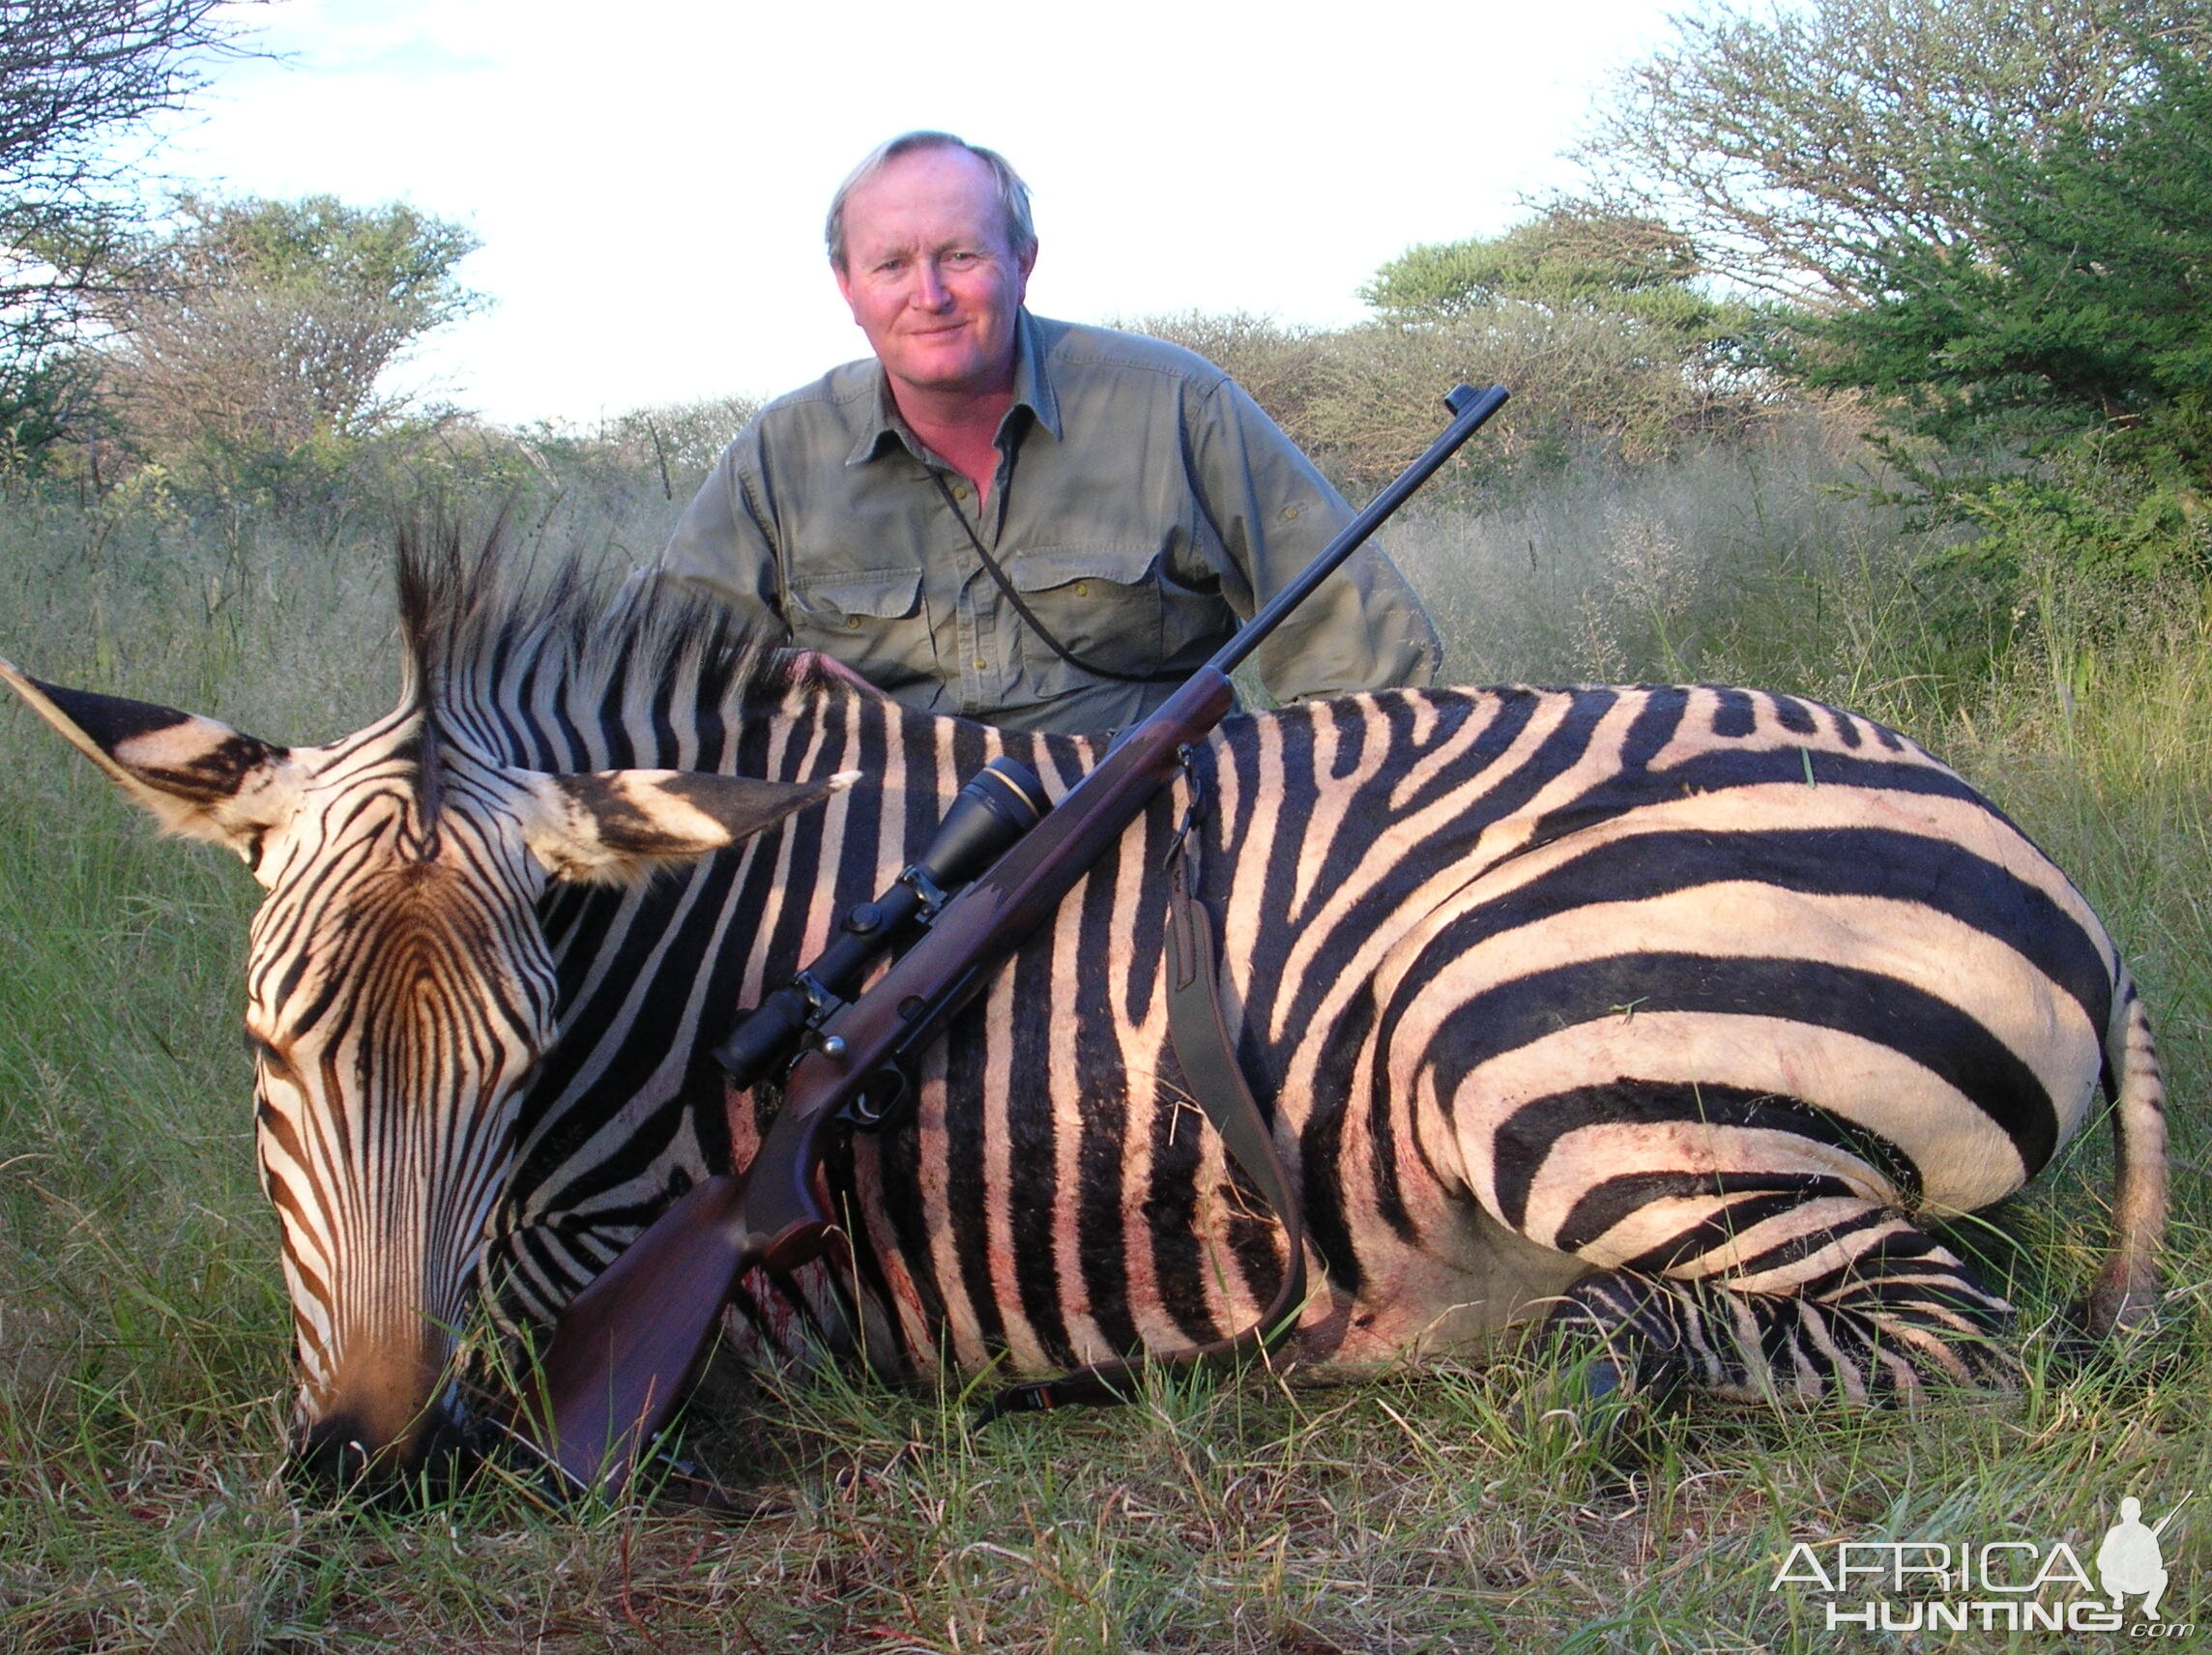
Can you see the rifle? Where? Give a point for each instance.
(622, 1349)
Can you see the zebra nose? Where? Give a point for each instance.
(333, 1453)
(339, 1454)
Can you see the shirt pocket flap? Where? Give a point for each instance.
(881, 595)
(1044, 569)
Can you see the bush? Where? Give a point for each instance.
(673, 446)
(254, 340)
(1364, 400)
(1788, 141)
(2078, 336)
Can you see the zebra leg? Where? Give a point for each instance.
(1897, 1314)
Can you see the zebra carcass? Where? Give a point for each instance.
(1670, 1015)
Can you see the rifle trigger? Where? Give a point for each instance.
(882, 1102)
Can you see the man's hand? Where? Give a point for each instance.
(829, 667)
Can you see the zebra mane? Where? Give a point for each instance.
(486, 633)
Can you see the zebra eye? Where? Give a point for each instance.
(272, 1061)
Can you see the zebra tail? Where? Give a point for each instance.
(2125, 1295)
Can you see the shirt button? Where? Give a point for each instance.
(960, 491)
(982, 666)
(853, 622)
(1083, 588)
(1290, 513)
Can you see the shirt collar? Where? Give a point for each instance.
(1033, 391)
(1032, 383)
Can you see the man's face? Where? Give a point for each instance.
(929, 273)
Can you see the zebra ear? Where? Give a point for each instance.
(197, 778)
(616, 826)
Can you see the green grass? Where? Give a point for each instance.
(144, 1344)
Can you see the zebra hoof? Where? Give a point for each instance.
(2087, 1339)
(1603, 1380)
(1577, 1408)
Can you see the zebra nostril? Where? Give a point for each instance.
(331, 1453)
(334, 1457)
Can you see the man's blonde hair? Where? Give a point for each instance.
(1013, 194)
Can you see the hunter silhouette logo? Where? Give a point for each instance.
(2131, 1559)
(1985, 1585)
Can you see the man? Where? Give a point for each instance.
(1040, 525)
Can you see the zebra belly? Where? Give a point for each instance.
(1661, 1058)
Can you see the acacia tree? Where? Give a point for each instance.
(264, 328)
(1597, 319)
(1571, 258)
(75, 74)
(1794, 143)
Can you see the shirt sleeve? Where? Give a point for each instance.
(1364, 628)
(723, 547)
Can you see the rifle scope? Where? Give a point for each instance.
(999, 803)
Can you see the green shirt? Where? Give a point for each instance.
(1144, 505)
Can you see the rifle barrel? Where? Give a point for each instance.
(1471, 409)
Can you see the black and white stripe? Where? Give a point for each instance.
(1672, 993)
(1670, 1014)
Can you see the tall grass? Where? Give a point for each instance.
(143, 1339)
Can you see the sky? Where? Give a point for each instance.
(648, 177)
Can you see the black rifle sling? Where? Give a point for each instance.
(1209, 1060)
(1007, 586)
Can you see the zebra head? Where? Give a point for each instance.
(399, 991)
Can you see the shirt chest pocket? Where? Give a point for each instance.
(874, 622)
(1114, 605)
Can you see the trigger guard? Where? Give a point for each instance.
(884, 1101)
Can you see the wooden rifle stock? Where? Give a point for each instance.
(626, 1343)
